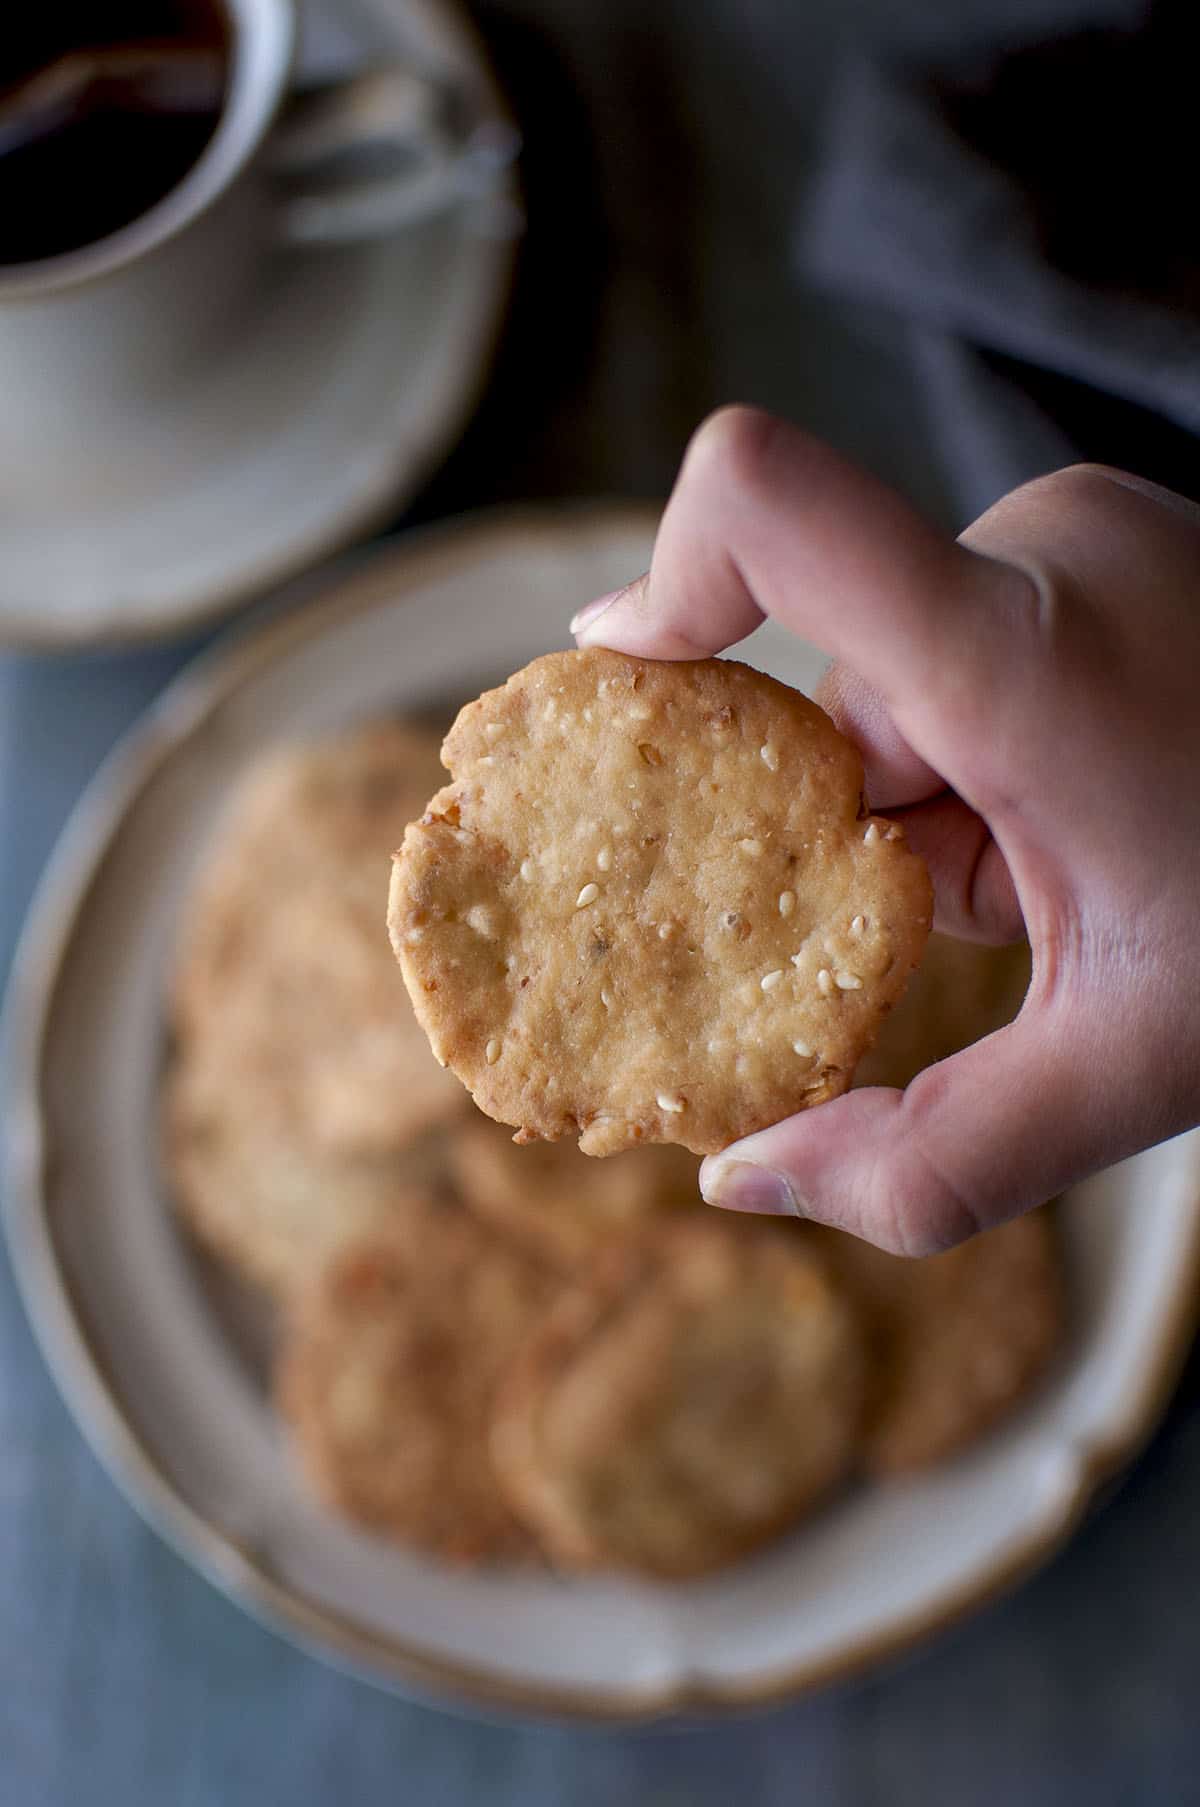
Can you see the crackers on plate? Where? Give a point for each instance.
(955, 1339)
(681, 1403)
(387, 1375)
(553, 1200)
(650, 906)
(301, 1087)
(501, 1353)
(272, 1206)
(280, 962)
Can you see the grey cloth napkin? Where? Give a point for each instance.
(1031, 210)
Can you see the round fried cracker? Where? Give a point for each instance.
(650, 907)
(696, 1394)
(387, 1377)
(554, 1200)
(273, 1208)
(956, 1340)
(284, 965)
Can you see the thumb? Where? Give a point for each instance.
(976, 1139)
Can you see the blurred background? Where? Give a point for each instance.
(963, 260)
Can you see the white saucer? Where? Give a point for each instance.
(321, 419)
(163, 1377)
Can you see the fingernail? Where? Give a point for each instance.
(745, 1186)
(591, 610)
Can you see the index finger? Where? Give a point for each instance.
(765, 520)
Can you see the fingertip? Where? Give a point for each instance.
(591, 611)
(640, 639)
(738, 443)
(626, 621)
(840, 1164)
(741, 1185)
(620, 620)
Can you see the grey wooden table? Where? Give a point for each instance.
(668, 147)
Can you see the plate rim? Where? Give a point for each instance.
(243, 1575)
(397, 478)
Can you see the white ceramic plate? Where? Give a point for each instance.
(159, 1381)
(353, 377)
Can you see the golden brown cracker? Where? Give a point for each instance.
(554, 1200)
(275, 1209)
(387, 1378)
(957, 1340)
(284, 977)
(650, 907)
(694, 1395)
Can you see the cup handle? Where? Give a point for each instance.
(417, 149)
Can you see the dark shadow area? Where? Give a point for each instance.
(1098, 128)
(599, 376)
(547, 342)
(1112, 431)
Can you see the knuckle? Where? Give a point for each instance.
(1027, 531)
(1094, 491)
(1075, 486)
(922, 1206)
(926, 1213)
(1087, 474)
(732, 446)
(1092, 486)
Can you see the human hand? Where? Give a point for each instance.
(1027, 702)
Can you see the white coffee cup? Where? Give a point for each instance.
(126, 315)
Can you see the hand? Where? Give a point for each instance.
(1027, 702)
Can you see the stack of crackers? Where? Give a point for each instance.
(508, 1354)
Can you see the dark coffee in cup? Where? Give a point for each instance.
(105, 105)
